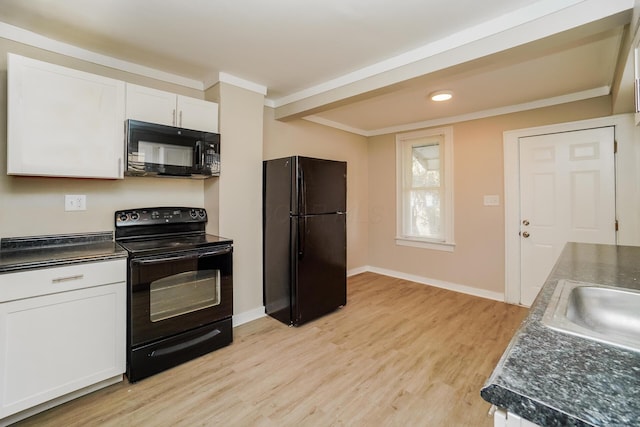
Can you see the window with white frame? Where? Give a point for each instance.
(424, 166)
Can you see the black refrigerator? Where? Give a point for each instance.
(304, 238)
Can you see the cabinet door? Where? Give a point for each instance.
(151, 105)
(63, 122)
(197, 114)
(59, 343)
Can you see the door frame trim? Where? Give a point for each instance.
(511, 152)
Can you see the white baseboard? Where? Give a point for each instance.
(469, 290)
(257, 313)
(358, 270)
(247, 316)
(14, 418)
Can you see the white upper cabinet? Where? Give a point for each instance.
(197, 114)
(165, 108)
(150, 105)
(63, 122)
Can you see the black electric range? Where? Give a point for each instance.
(180, 287)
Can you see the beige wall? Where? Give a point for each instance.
(233, 200)
(478, 258)
(239, 190)
(301, 137)
(35, 206)
(250, 134)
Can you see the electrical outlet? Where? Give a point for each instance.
(75, 202)
(492, 200)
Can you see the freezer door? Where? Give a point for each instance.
(322, 186)
(320, 273)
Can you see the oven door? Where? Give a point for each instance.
(177, 292)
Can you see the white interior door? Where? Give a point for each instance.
(567, 193)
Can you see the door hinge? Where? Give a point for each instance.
(616, 225)
(615, 147)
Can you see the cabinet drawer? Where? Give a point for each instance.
(26, 284)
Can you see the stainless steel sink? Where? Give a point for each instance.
(597, 312)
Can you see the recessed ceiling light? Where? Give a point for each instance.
(441, 95)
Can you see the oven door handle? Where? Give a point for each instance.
(191, 255)
(163, 260)
(214, 252)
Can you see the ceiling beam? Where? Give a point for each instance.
(540, 20)
(623, 86)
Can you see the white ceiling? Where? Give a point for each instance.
(361, 65)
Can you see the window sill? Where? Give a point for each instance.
(426, 244)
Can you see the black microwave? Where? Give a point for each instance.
(158, 150)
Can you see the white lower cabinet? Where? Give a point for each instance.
(61, 330)
(502, 418)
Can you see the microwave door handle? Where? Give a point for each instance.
(197, 154)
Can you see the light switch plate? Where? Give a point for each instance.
(75, 202)
(492, 200)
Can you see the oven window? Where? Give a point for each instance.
(183, 293)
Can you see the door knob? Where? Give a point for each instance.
(525, 222)
(526, 234)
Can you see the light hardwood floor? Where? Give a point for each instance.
(398, 354)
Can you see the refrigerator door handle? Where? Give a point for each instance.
(302, 193)
(302, 228)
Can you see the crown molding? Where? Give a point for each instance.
(245, 84)
(337, 125)
(30, 38)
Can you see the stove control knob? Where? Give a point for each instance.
(135, 216)
(193, 213)
(123, 217)
(202, 213)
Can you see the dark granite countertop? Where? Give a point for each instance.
(557, 379)
(25, 253)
